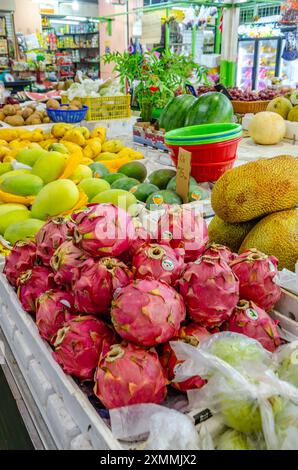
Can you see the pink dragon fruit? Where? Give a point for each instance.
(129, 375)
(251, 320)
(80, 343)
(67, 262)
(21, 258)
(141, 237)
(103, 230)
(147, 312)
(182, 227)
(192, 334)
(120, 274)
(256, 272)
(214, 249)
(158, 262)
(31, 284)
(53, 309)
(50, 237)
(210, 290)
(93, 289)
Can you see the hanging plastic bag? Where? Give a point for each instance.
(290, 51)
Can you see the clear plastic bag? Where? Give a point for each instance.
(241, 386)
(163, 429)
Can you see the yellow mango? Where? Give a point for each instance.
(3, 151)
(99, 132)
(8, 134)
(58, 130)
(113, 146)
(75, 136)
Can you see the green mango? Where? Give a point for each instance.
(93, 186)
(22, 185)
(5, 168)
(11, 218)
(55, 198)
(29, 156)
(22, 230)
(50, 166)
(10, 207)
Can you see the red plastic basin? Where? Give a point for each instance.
(203, 172)
(208, 153)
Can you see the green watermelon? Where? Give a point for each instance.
(174, 114)
(208, 108)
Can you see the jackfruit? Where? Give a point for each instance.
(256, 189)
(231, 235)
(276, 234)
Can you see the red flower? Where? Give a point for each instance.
(154, 89)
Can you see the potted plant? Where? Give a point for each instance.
(154, 76)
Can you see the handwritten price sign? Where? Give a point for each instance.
(183, 174)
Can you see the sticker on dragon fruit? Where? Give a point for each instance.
(167, 235)
(272, 268)
(89, 209)
(65, 302)
(252, 314)
(167, 264)
(198, 261)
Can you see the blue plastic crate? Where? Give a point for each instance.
(70, 116)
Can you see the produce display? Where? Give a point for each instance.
(16, 115)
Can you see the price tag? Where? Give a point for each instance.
(183, 174)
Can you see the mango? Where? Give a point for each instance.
(50, 166)
(81, 172)
(256, 189)
(119, 197)
(22, 230)
(29, 156)
(9, 207)
(106, 156)
(21, 171)
(12, 217)
(54, 198)
(22, 185)
(5, 168)
(93, 186)
(58, 148)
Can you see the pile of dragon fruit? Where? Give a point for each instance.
(109, 301)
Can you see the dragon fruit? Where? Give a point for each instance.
(129, 375)
(182, 227)
(53, 309)
(66, 263)
(256, 272)
(80, 343)
(210, 290)
(31, 284)
(158, 262)
(253, 321)
(93, 289)
(21, 258)
(120, 274)
(141, 237)
(214, 249)
(103, 230)
(147, 312)
(191, 334)
(50, 237)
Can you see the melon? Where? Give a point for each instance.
(267, 128)
(174, 114)
(211, 107)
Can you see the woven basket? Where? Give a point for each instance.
(243, 107)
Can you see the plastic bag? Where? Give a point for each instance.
(285, 360)
(241, 386)
(164, 429)
(288, 280)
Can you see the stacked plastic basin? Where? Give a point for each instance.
(213, 148)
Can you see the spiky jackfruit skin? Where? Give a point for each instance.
(276, 234)
(231, 235)
(256, 189)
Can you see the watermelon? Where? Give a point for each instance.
(174, 114)
(210, 107)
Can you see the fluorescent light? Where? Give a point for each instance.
(64, 22)
(76, 18)
(93, 21)
(75, 5)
